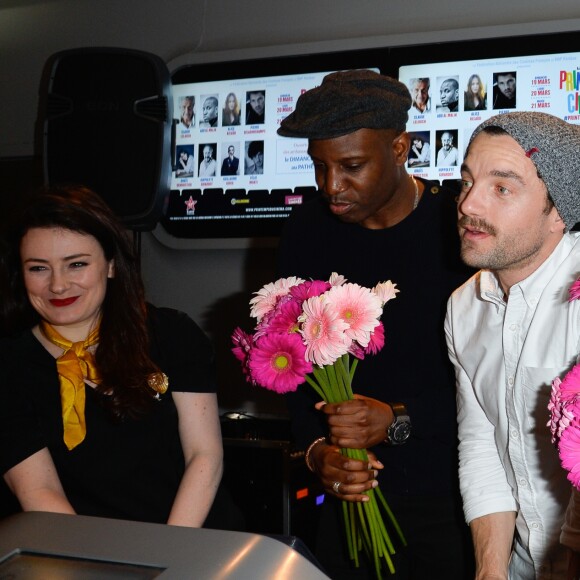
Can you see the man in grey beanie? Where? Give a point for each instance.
(511, 330)
(375, 222)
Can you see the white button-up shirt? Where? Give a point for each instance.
(506, 355)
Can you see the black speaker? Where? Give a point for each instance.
(107, 117)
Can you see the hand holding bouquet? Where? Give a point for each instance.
(307, 331)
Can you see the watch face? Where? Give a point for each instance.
(401, 432)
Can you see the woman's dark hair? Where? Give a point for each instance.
(254, 148)
(122, 356)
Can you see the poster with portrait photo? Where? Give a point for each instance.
(230, 159)
(184, 106)
(475, 94)
(420, 88)
(448, 94)
(536, 82)
(504, 90)
(446, 144)
(209, 111)
(184, 161)
(255, 107)
(420, 149)
(254, 158)
(231, 110)
(207, 160)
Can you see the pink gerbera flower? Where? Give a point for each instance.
(570, 386)
(569, 451)
(266, 298)
(277, 362)
(284, 319)
(309, 289)
(356, 350)
(377, 340)
(555, 408)
(323, 332)
(336, 279)
(386, 291)
(243, 345)
(569, 413)
(574, 292)
(359, 308)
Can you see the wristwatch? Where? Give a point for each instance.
(400, 428)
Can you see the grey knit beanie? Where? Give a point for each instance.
(554, 146)
(348, 101)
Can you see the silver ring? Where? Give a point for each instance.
(336, 486)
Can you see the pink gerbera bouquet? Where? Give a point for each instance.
(564, 423)
(316, 332)
(564, 407)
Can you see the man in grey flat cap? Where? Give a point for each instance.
(374, 222)
(511, 330)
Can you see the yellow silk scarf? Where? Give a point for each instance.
(74, 366)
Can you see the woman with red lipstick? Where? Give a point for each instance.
(108, 403)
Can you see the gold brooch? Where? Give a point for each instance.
(158, 382)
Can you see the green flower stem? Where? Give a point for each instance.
(320, 375)
(315, 386)
(375, 549)
(350, 524)
(353, 368)
(391, 516)
(364, 525)
(378, 539)
(334, 385)
(365, 536)
(390, 549)
(386, 545)
(343, 373)
(348, 531)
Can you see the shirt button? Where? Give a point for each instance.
(535, 525)
(513, 326)
(523, 482)
(511, 381)
(514, 433)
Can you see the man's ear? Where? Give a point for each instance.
(557, 223)
(401, 146)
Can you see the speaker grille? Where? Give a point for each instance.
(153, 108)
(57, 105)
